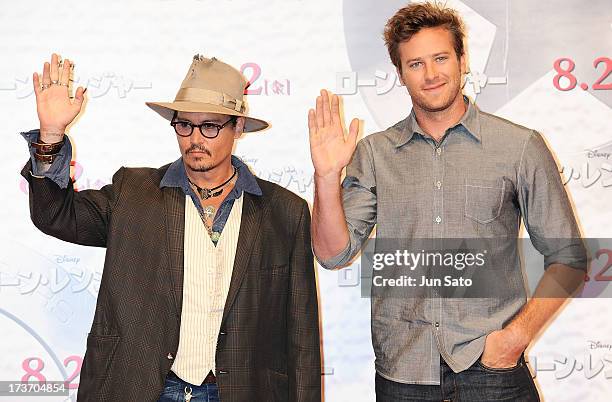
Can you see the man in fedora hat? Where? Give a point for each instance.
(208, 288)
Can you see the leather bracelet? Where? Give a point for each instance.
(46, 149)
(49, 158)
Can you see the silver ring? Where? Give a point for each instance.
(54, 82)
(61, 84)
(45, 86)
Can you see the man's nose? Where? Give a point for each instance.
(431, 72)
(197, 137)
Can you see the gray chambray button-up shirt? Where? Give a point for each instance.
(478, 182)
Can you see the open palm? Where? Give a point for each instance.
(330, 150)
(53, 104)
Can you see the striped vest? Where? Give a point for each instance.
(207, 275)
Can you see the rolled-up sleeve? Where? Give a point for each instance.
(59, 170)
(359, 203)
(546, 208)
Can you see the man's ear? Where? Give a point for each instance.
(239, 129)
(463, 64)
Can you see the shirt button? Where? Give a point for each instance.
(439, 184)
(438, 151)
(437, 324)
(438, 219)
(170, 356)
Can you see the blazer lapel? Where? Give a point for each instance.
(174, 199)
(252, 212)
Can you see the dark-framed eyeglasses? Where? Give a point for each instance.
(208, 129)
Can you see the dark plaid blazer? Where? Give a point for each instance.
(268, 347)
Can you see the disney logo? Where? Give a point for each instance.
(599, 345)
(66, 259)
(597, 154)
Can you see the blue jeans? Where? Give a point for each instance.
(477, 383)
(175, 390)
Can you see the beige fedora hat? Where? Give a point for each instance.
(214, 87)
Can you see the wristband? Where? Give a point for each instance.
(43, 148)
(45, 158)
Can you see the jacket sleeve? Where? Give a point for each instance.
(80, 217)
(304, 350)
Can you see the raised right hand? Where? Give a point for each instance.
(54, 107)
(329, 149)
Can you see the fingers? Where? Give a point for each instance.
(324, 116)
(353, 132)
(65, 73)
(335, 109)
(319, 112)
(54, 68)
(54, 73)
(79, 97)
(46, 75)
(312, 122)
(36, 83)
(326, 112)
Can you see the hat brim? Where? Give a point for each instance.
(167, 109)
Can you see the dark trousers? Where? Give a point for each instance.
(477, 383)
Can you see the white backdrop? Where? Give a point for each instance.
(129, 53)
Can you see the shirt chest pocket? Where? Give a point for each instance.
(484, 199)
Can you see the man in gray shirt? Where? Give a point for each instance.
(447, 171)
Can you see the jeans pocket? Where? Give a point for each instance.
(499, 370)
(484, 383)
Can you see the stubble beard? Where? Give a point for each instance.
(201, 166)
(198, 163)
(454, 90)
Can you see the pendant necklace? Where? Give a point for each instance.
(207, 193)
(209, 211)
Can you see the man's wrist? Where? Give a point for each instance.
(518, 336)
(50, 135)
(328, 178)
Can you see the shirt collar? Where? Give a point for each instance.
(175, 176)
(469, 122)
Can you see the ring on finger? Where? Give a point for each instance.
(45, 86)
(54, 82)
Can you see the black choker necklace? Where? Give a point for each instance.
(207, 193)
